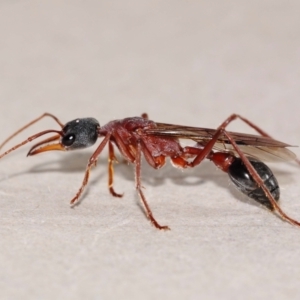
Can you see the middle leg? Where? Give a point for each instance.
(111, 160)
(139, 188)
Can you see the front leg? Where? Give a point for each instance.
(92, 162)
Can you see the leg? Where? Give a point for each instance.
(31, 123)
(111, 159)
(252, 125)
(125, 151)
(92, 162)
(139, 189)
(260, 182)
(208, 148)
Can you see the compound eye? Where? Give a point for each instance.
(68, 139)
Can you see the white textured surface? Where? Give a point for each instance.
(183, 62)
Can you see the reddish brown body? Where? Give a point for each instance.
(128, 133)
(139, 136)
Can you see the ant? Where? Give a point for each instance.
(237, 154)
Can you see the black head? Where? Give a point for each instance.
(80, 133)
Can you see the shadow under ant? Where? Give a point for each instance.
(76, 162)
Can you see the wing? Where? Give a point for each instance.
(260, 147)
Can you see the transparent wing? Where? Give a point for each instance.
(267, 154)
(263, 148)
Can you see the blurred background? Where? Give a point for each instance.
(183, 62)
(113, 59)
